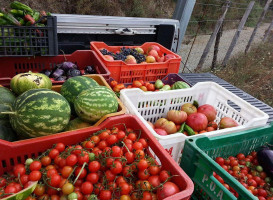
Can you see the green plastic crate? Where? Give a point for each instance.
(198, 161)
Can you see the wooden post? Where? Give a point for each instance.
(212, 37)
(258, 24)
(238, 32)
(216, 47)
(268, 31)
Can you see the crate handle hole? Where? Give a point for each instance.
(234, 105)
(191, 140)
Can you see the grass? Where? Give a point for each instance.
(253, 72)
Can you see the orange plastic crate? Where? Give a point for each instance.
(18, 152)
(127, 73)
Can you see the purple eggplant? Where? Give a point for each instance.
(60, 78)
(66, 66)
(57, 73)
(90, 70)
(265, 159)
(73, 72)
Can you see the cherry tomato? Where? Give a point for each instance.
(94, 166)
(83, 172)
(113, 83)
(163, 176)
(121, 135)
(39, 190)
(87, 187)
(83, 158)
(130, 157)
(35, 165)
(24, 179)
(220, 160)
(19, 169)
(154, 169)
(3, 182)
(116, 151)
(132, 136)
(110, 176)
(143, 142)
(142, 165)
(92, 178)
(105, 195)
(35, 176)
(71, 160)
(67, 188)
(112, 139)
(53, 153)
(45, 160)
(66, 171)
(104, 135)
(124, 188)
(169, 189)
(116, 168)
(143, 175)
(54, 180)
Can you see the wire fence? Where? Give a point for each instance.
(204, 30)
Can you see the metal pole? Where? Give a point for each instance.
(183, 13)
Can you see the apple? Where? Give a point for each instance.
(169, 56)
(139, 50)
(197, 121)
(177, 116)
(160, 131)
(153, 53)
(227, 122)
(189, 108)
(150, 59)
(159, 59)
(130, 60)
(108, 57)
(209, 111)
(167, 125)
(153, 47)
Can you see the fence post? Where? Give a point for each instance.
(258, 24)
(268, 31)
(238, 32)
(216, 47)
(212, 37)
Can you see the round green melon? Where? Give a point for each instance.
(74, 86)
(27, 81)
(23, 194)
(180, 85)
(92, 104)
(39, 112)
(6, 97)
(75, 124)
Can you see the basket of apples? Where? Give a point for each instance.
(149, 62)
(204, 109)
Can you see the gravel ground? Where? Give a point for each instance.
(225, 41)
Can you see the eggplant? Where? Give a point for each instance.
(73, 72)
(66, 66)
(57, 73)
(90, 69)
(46, 72)
(265, 159)
(60, 78)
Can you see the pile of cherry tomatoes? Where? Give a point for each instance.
(145, 86)
(249, 173)
(111, 164)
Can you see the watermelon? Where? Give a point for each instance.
(92, 104)
(6, 132)
(6, 97)
(74, 86)
(39, 112)
(180, 85)
(26, 81)
(75, 124)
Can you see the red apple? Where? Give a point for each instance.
(197, 121)
(153, 47)
(159, 59)
(150, 59)
(227, 122)
(169, 56)
(177, 116)
(160, 131)
(153, 53)
(189, 108)
(130, 60)
(209, 111)
(167, 125)
(108, 57)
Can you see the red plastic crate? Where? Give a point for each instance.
(127, 73)
(18, 152)
(9, 67)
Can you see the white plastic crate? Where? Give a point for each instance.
(151, 106)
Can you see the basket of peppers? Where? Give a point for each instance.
(27, 32)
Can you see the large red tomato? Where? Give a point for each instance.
(177, 116)
(168, 189)
(197, 121)
(167, 125)
(208, 110)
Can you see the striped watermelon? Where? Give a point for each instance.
(26, 81)
(92, 104)
(75, 124)
(74, 86)
(180, 85)
(39, 112)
